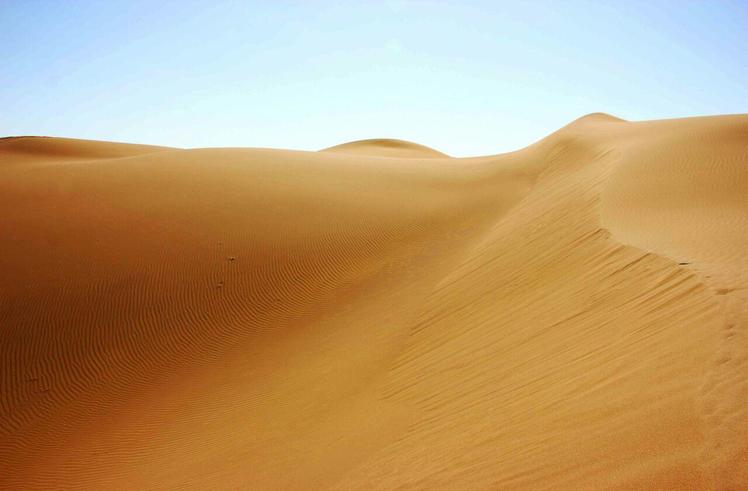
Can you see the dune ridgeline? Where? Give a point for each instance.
(378, 315)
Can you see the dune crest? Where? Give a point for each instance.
(568, 316)
(383, 147)
(598, 118)
(45, 147)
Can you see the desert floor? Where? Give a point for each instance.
(378, 315)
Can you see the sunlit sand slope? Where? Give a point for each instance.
(378, 315)
(387, 148)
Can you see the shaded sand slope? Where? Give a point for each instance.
(228, 318)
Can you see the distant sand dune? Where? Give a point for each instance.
(387, 148)
(69, 148)
(572, 315)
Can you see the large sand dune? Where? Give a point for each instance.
(378, 315)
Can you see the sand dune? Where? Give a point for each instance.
(378, 315)
(45, 148)
(383, 147)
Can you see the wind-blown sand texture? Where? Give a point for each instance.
(378, 315)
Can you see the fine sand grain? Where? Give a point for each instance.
(378, 315)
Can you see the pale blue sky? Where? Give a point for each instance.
(465, 77)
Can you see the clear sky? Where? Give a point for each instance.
(465, 77)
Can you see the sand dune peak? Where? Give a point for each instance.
(387, 147)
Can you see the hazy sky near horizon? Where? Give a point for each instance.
(465, 77)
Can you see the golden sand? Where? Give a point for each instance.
(378, 315)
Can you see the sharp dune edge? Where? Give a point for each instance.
(572, 315)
